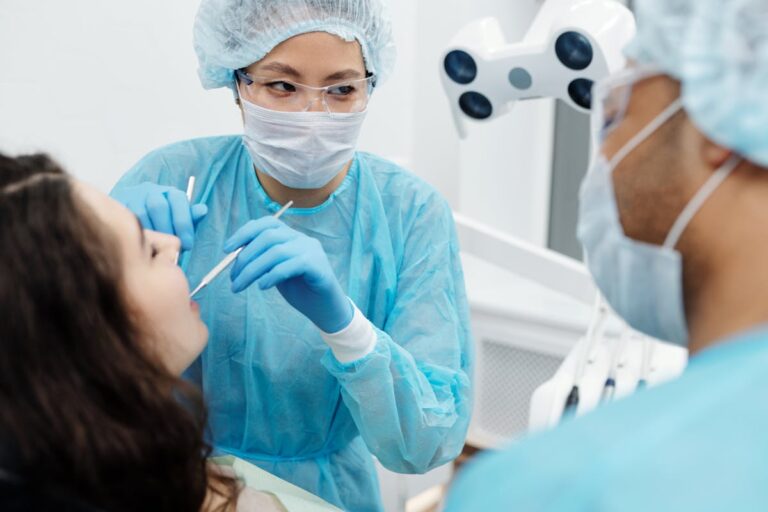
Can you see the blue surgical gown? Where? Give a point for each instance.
(277, 396)
(699, 443)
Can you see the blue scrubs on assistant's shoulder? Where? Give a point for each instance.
(699, 443)
(277, 396)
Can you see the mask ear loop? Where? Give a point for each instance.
(646, 132)
(698, 200)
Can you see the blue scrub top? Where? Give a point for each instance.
(277, 396)
(696, 444)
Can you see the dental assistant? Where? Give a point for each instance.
(343, 331)
(672, 219)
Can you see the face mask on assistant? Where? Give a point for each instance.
(303, 150)
(642, 282)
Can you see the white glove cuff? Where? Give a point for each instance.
(355, 341)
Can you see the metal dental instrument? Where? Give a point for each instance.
(190, 189)
(218, 269)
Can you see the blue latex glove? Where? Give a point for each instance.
(276, 255)
(163, 209)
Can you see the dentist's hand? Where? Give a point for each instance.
(163, 209)
(276, 255)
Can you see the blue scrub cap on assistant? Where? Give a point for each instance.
(718, 49)
(232, 34)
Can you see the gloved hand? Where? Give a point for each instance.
(276, 255)
(163, 209)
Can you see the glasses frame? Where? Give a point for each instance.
(609, 89)
(320, 92)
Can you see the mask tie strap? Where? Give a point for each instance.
(646, 132)
(698, 200)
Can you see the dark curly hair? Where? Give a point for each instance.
(85, 412)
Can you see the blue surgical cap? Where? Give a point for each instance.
(718, 49)
(233, 34)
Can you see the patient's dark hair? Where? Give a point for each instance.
(85, 412)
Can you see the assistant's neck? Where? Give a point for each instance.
(302, 198)
(726, 279)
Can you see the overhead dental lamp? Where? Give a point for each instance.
(571, 45)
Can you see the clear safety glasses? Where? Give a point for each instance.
(610, 98)
(286, 96)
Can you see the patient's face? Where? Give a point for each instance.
(157, 290)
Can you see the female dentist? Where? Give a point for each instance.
(344, 329)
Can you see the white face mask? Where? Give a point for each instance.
(303, 150)
(642, 282)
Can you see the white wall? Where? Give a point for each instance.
(99, 83)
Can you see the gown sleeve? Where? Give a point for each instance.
(410, 397)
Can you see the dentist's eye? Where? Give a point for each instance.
(342, 90)
(282, 87)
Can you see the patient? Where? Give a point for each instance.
(97, 328)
